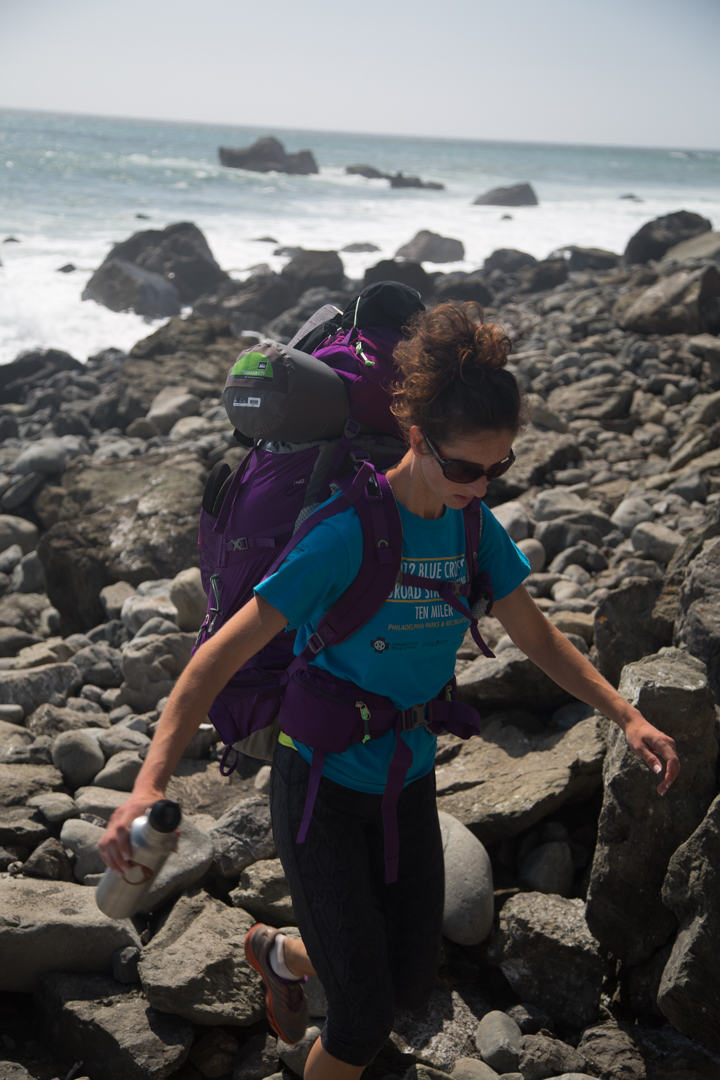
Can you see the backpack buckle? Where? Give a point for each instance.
(240, 544)
(316, 643)
(413, 718)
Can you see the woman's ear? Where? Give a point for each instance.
(417, 442)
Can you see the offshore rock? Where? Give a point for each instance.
(111, 1028)
(427, 246)
(504, 780)
(639, 831)
(122, 286)
(46, 925)
(540, 934)
(195, 967)
(268, 155)
(517, 195)
(688, 993)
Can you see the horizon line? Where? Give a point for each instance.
(372, 134)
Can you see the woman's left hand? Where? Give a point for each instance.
(654, 748)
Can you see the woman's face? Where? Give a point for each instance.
(484, 448)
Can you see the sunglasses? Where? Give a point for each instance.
(467, 472)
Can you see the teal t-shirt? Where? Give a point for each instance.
(407, 650)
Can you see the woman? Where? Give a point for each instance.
(376, 946)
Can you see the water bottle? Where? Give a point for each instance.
(151, 841)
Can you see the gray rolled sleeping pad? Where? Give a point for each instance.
(276, 392)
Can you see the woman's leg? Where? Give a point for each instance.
(340, 910)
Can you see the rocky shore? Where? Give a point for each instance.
(582, 915)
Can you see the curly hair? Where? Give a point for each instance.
(454, 378)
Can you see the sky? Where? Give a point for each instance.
(609, 72)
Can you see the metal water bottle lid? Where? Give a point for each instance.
(165, 816)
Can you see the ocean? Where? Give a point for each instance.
(70, 186)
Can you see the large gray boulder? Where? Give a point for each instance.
(32, 687)
(498, 1040)
(511, 680)
(602, 397)
(18, 783)
(697, 626)
(469, 902)
(689, 994)
(428, 246)
(195, 966)
(51, 925)
(122, 286)
(242, 835)
(613, 1051)
(78, 757)
(639, 831)
(683, 303)
(503, 781)
(184, 867)
(516, 195)
(541, 1057)
(99, 665)
(628, 626)
(263, 891)
(82, 838)
(151, 666)
(548, 955)
(444, 1031)
(122, 1039)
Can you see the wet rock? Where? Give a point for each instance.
(428, 246)
(612, 1052)
(122, 286)
(516, 195)
(30, 688)
(151, 666)
(655, 237)
(295, 1056)
(469, 905)
(18, 783)
(539, 934)
(82, 839)
(184, 867)
(504, 780)
(188, 597)
(638, 831)
(49, 925)
(697, 624)
(50, 862)
(510, 681)
(264, 892)
(627, 626)
(688, 993)
(78, 757)
(242, 836)
(195, 966)
(542, 1057)
(121, 1039)
(549, 869)
(498, 1041)
(268, 155)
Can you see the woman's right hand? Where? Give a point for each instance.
(114, 844)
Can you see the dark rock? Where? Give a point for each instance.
(268, 155)
(99, 665)
(21, 826)
(612, 1051)
(399, 180)
(257, 1059)
(601, 398)
(358, 248)
(697, 626)
(178, 253)
(591, 258)
(655, 237)
(542, 1057)
(8, 427)
(122, 286)
(111, 1029)
(540, 934)
(214, 1054)
(687, 302)
(125, 965)
(463, 287)
(68, 268)
(407, 273)
(529, 1018)
(517, 195)
(52, 924)
(261, 298)
(428, 246)
(627, 626)
(286, 326)
(548, 869)
(667, 604)
(688, 994)
(30, 369)
(368, 172)
(542, 276)
(638, 831)
(195, 966)
(509, 260)
(505, 780)
(314, 270)
(13, 640)
(49, 861)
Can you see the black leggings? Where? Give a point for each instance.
(374, 946)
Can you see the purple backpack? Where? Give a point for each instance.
(252, 519)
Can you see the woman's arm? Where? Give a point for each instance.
(240, 638)
(552, 652)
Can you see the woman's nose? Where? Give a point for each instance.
(479, 488)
